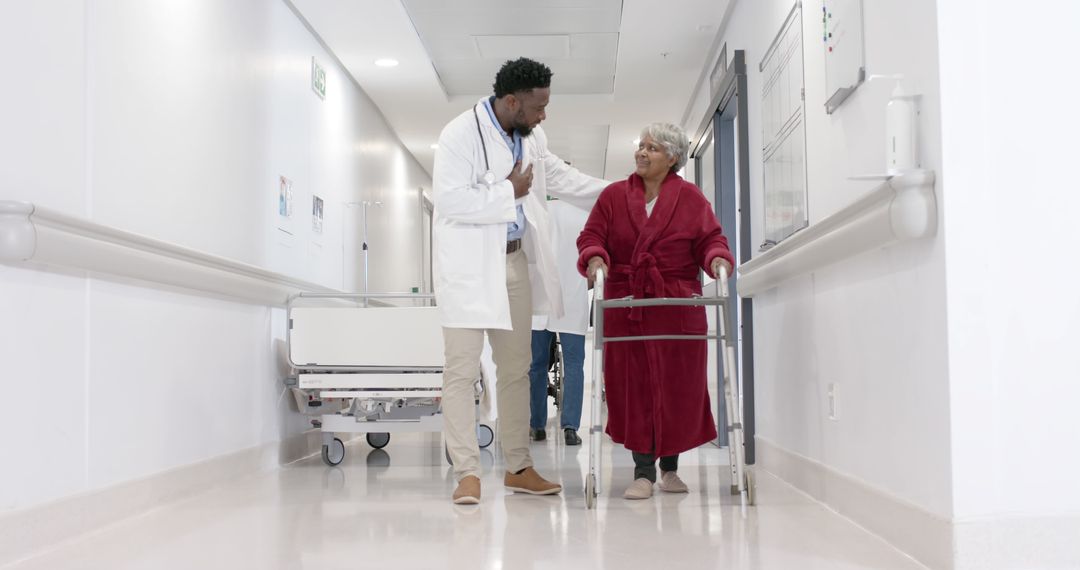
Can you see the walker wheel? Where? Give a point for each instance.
(590, 491)
(748, 484)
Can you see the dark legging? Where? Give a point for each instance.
(645, 465)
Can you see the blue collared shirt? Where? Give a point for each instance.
(516, 229)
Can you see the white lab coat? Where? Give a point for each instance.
(470, 220)
(567, 221)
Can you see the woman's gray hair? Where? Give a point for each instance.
(674, 140)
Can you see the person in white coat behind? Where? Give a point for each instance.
(568, 221)
(494, 265)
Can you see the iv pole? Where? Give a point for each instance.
(365, 204)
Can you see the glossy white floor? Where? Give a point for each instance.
(390, 509)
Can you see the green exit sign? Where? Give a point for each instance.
(318, 79)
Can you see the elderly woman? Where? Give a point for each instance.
(650, 233)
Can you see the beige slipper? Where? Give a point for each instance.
(639, 489)
(670, 483)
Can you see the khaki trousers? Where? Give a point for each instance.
(512, 352)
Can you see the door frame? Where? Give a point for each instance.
(726, 118)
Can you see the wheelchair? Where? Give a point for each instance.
(556, 371)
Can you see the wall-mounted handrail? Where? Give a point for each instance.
(33, 236)
(902, 208)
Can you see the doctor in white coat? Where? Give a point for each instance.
(494, 265)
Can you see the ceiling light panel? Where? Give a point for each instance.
(577, 39)
(542, 48)
(572, 77)
(513, 17)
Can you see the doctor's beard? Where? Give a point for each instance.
(523, 128)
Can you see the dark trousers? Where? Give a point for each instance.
(645, 465)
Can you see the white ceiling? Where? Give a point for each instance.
(618, 64)
(469, 41)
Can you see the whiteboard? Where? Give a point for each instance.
(842, 36)
(784, 132)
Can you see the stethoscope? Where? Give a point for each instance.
(489, 176)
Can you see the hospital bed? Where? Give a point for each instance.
(742, 479)
(368, 369)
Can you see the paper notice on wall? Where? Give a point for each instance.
(284, 197)
(317, 214)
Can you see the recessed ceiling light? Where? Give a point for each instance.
(435, 146)
(386, 62)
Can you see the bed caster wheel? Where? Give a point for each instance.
(378, 440)
(484, 435)
(590, 492)
(333, 453)
(751, 491)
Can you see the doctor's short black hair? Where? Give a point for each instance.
(522, 74)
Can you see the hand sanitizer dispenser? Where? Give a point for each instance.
(901, 132)
(901, 143)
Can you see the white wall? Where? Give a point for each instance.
(173, 120)
(874, 325)
(42, 147)
(1009, 142)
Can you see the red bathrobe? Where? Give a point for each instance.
(657, 393)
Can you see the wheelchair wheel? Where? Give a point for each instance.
(560, 375)
(553, 351)
(553, 370)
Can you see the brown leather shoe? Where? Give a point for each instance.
(468, 491)
(529, 481)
